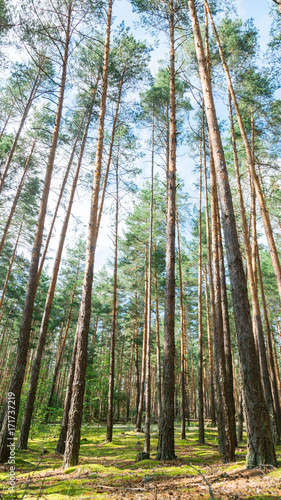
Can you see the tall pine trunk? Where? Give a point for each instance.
(149, 279)
(71, 454)
(166, 442)
(109, 430)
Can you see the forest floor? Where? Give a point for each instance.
(110, 471)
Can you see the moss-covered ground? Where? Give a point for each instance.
(109, 471)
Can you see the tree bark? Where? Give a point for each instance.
(210, 327)
(62, 347)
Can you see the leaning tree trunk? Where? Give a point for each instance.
(166, 442)
(23, 341)
(34, 377)
(7, 225)
(58, 204)
(273, 378)
(72, 444)
(10, 267)
(260, 444)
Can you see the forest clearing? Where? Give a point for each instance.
(140, 243)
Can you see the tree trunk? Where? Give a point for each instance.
(260, 444)
(144, 342)
(108, 438)
(158, 350)
(149, 279)
(62, 188)
(226, 438)
(166, 446)
(227, 341)
(23, 341)
(67, 402)
(200, 321)
(182, 375)
(210, 352)
(75, 414)
(211, 328)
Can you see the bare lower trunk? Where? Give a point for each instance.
(226, 438)
(211, 327)
(62, 347)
